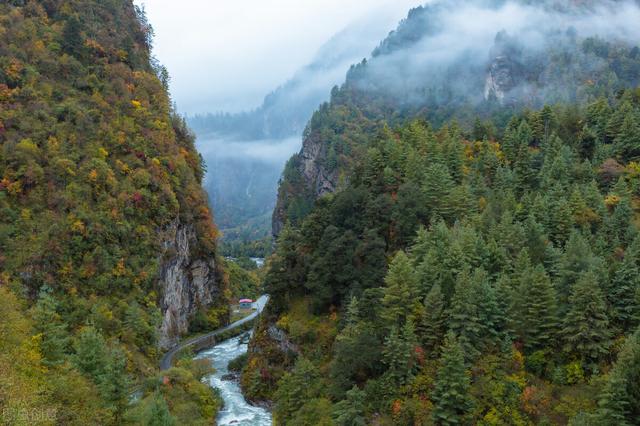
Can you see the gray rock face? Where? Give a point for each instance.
(505, 70)
(500, 78)
(317, 179)
(312, 167)
(282, 340)
(186, 282)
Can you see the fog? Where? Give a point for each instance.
(226, 55)
(269, 151)
(453, 41)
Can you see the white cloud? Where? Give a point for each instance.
(227, 54)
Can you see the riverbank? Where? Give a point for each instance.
(237, 411)
(208, 340)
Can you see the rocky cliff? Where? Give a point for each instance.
(187, 281)
(307, 177)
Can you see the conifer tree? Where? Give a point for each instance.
(72, 42)
(114, 385)
(474, 316)
(619, 402)
(91, 353)
(287, 269)
(295, 389)
(398, 354)
(433, 327)
(537, 322)
(159, 414)
(401, 284)
(451, 399)
(350, 411)
(577, 259)
(437, 184)
(53, 331)
(627, 141)
(585, 329)
(625, 286)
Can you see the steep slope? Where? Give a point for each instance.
(458, 239)
(246, 151)
(437, 66)
(105, 233)
(285, 111)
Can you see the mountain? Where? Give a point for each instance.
(438, 67)
(285, 111)
(107, 246)
(245, 152)
(458, 239)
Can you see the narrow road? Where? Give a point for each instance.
(167, 359)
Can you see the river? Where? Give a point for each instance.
(237, 411)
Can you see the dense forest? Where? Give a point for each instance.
(462, 259)
(95, 169)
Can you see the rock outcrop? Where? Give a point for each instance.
(313, 180)
(504, 72)
(186, 282)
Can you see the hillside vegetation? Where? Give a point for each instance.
(94, 165)
(462, 259)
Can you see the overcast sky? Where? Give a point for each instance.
(227, 54)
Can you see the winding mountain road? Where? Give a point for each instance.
(167, 359)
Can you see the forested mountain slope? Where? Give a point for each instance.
(107, 245)
(466, 60)
(465, 251)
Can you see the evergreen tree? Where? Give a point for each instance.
(585, 329)
(72, 42)
(437, 184)
(619, 402)
(451, 399)
(432, 326)
(331, 270)
(399, 302)
(114, 385)
(295, 389)
(625, 286)
(287, 269)
(53, 331)
(537, 322)
(350, 411)
(627, 141)
(474, 316)
(357, 352)
(577, 259)
(399, 354)
(159, 414)
(91, 353)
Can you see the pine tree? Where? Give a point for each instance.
(432, 327)
(72, 42)
(537, 322)
(287, 269)
(159, 414)
(437, 184)
(585, 329)
(91, 353)
(451, 399)
(114, 385)
(295, 389)
(398, 354)
(53, 332)
(625, 286)
(577, 259)
(474, 316)
(399, 302)
(619, 402)
(350, 411)
(627, 141)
